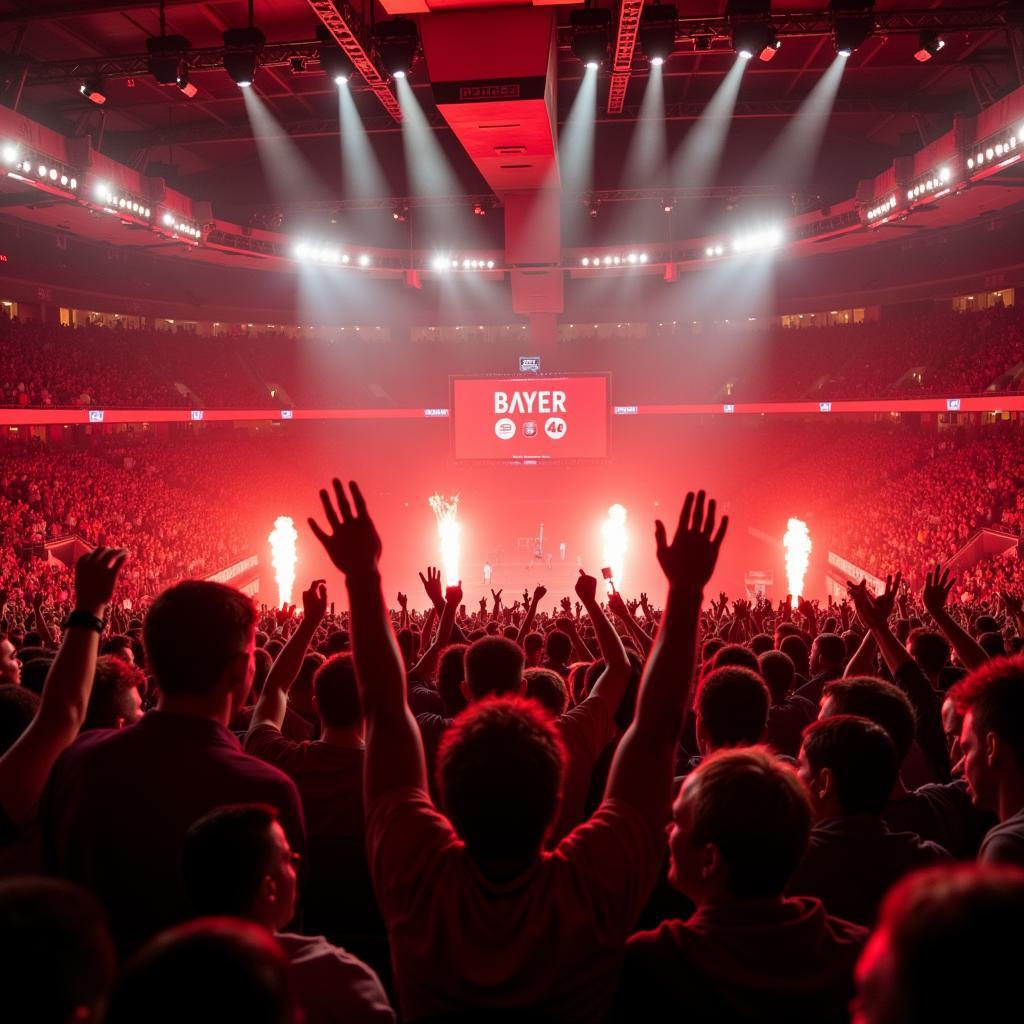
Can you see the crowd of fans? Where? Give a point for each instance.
(939, 354)
(678, 805)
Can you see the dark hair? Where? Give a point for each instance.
(986, 624)
(337, 693)
(533, 642)
(930, 649)
(451, 673)
(225, 856)
(736, 655)
(778, 672)
(336, 643)
(500, 772)
(193, 631)
(830, 647)
(494, 667)
(994, 694)
(34, 673)
(558, 647)
(879, 702)
(861, 757)
(57, 954)
(405, 640)
(794, 646)
(206, 972)
(510, 632)
(967, 908)
(116, 644)
(18, 707)
(548, 689)
(732, 705)
(710, 648)
(992, 644)
(274, 647)
(755, 810)
(760, 643)
(113, 681)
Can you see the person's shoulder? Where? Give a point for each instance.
(1004, 843)
(665, 940)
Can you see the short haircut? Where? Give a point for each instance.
(779, 673)
(994, 694)
(760, 643)
(193, 631)
(34, 673)
(113, 680)
(732, 704)
(57, 953)
(830, 647)
(986, 624)
(207, 971)
(274, 647)
(225, 857)
(337, 693)
(930, 649)
(533, 642)
(967, 908)
(494, 667)
(451, 674)
(558, 647)
(18, 707)
(116, 644)
(992, 644)
(510, 632)
(861, 757)
(736, 655)
(795, 647)
(500, 772)
(548, 689)
(336, 643)
(710, 648)
(755, 810)
(879, 702)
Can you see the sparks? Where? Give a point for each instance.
(613, 531)
(797, 543)
(283, 557)
(448, 529)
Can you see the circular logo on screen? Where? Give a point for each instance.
(554, 427)
(505, 429)
(529, 429)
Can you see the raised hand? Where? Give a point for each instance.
(886, 601)
(403, 601)
(483, 605)
(617, 605)
(497, 596)
(95, 577)
(689, 560)
(453, 594)
(586, 587)
(353, 544)
(538, 593)
(645, 604)
(632, 606)
(432, 585)
(314, 603)
(805, 608)
(526, 597)
(1013, 605)
(567, 605)
(936, 590)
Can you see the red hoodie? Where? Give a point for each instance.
(762, 960)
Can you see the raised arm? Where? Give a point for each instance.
(531, 612)
(273, 703)
(617, 605)
(424, 668)
(65, 698)
(641, 772)
(612, 682)
(934, 596)
(567, 625)
(42, 626)
(394, 752)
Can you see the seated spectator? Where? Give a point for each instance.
(237, 862)
(58, 959)
(967, 909)
(991, 701)
(849, 766)
(118, 804)
(206, 972)
(748, 953)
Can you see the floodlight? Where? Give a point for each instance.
(658, 32)
(397, 43)
(242, 48)
(591, 35)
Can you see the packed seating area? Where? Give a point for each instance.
(937, 354)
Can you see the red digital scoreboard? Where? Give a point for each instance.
(529, 418)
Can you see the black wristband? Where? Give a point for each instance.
(84, 619)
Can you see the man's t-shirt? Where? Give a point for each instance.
(549, 941)
(117, 805)
(1004, 843)
(771, 961)
(943, 813)
(332, 986)
(586, 730)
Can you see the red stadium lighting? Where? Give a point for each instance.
(929, 46)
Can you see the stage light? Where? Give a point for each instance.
(92, 90)
(188, 88)
(446, 511)
(657, 32)
(167, 58)
(41, 170)
(397, 43)
(852, 22)
(10, 154)
(615, 544)
(283, 557)
(797, 543)
(929, 44)
(400, 212)
(771, 46)
(591, 31)
(750, 38)
(242, 47)
(169, 219)
(364, 260)
(335, 63)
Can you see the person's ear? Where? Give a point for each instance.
(710, 861)
(993, 748)
(824, 785)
